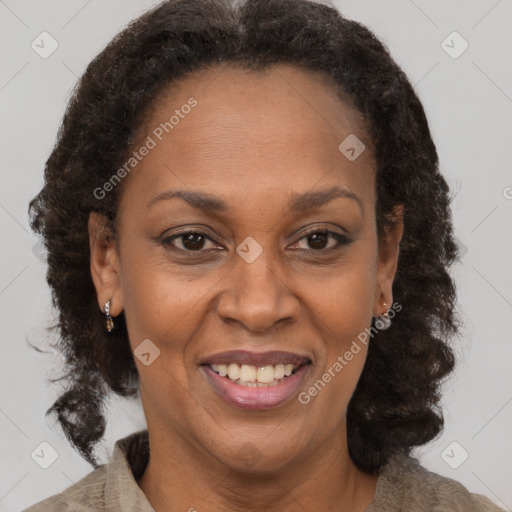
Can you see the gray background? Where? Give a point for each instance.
(468, 101)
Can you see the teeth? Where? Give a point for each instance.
(234, 371)
(279, 369)
(265, 374)
(252, 376)
(288, 369)
(248, 373)
(256, 384)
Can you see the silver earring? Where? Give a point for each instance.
(383, 321)
(109, 323)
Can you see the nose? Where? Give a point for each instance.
(257, 296)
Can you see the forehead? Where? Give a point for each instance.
(244, 102)
(227, 128)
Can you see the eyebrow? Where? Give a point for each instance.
(299, 202)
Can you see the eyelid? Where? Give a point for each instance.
(319, 229)
(167, 240)
(324, 228)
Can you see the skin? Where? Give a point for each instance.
(253, 140)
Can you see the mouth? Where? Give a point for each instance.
(251, 380)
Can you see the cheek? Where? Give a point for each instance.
(343, 327)
(161, 305)
(162, 302)
(343, 306)
(342, 299)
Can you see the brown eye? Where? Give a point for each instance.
(318, 240)
(191, 241)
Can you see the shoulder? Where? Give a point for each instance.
(109, 487)
(404, 485)
(86, 494)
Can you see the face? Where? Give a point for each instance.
(247, 244)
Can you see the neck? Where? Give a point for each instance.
(177, 478)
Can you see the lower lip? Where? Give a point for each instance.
(256, 398)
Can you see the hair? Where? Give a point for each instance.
(395, 405)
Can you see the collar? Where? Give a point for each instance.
(129, 460)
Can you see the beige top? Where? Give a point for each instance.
(403, 485)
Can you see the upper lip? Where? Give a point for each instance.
(258, 359)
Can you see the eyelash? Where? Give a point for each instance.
(342, 241)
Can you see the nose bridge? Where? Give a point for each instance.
(257, 296)
(257, 281)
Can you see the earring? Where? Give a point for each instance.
(109, 323)
(383, 321)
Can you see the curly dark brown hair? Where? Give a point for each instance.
(395, 405)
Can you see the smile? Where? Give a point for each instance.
(272, 379)
(252, 376)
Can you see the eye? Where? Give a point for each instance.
(188, 241)
(318, 240)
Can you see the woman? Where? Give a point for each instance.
(245, 222)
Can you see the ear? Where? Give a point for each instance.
(389, 247)
(104, 264)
